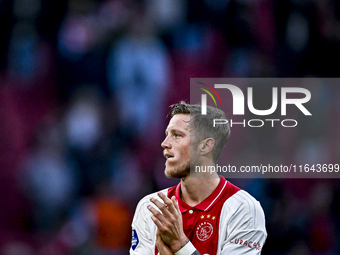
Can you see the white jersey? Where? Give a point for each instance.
(229, 221)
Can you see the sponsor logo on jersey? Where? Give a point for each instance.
(250, 244)
(135, 240)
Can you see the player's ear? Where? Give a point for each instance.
(206, 146)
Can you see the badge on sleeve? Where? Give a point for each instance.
(135, 240)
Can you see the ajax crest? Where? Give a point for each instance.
(204, 231)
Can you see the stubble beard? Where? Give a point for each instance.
(180, 171)
(183, 170)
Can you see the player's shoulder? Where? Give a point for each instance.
(145, 201)
(242, 198)
(245, 208)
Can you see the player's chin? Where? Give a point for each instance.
(168, 172)
(173, 172)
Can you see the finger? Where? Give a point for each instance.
(158, 215)
(168, 202)
(158, 223)
(163, 207)
(175, 201)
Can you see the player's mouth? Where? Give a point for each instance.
(168, 156)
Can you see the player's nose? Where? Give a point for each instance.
(166, 144)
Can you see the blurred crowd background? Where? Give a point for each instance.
(85, 87)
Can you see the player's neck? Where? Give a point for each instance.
(194, 189)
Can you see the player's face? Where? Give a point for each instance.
(177, 146)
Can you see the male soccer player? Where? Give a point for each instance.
(204, 214)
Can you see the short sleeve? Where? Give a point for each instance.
(142, 242)
(143, 228)
(245, 229)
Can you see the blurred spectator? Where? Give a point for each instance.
(166, 15)
(128, 179)
(99, 224)
(82, 48)
(83, 123)
(83, 119)
(138, 71)
(139, 75)
(48, 178)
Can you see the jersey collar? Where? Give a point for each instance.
(207, 203)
